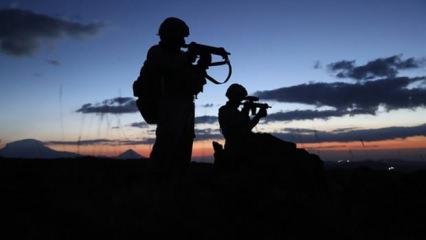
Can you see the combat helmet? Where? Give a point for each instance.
(236, 92)
(173, 27)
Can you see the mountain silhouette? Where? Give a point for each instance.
(130, 154)
(31, 148)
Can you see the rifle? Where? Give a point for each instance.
(251, 102)
(202, 50)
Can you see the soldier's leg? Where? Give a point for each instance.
(185, 141)
(164, 148)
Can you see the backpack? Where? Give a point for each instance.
(147, 101)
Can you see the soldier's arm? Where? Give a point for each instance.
(198, 71)
(255, 120)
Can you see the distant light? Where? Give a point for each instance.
(340, 161)
(391, 168)
(348, 161)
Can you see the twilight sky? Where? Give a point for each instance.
(343, 77)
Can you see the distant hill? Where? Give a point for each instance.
(130, 154)
(34, 149)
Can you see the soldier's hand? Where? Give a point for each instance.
(191, 56)
(262, 113)
(205, 60)
(246, 106)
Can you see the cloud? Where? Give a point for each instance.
(343, 129)
(299, 135)
(337, 146)
(311, 114)
(117, 105)
(201, 134)
(122, 105)
(110, 142)
(380, 67)
(139, 125)
(205, 119)
(207, 105)
(53, 62)
(207, 134)
(22, 31)
(317, 65)
(313, 136)
(348, 98)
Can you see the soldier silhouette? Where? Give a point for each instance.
(242, 145)
(167, 84)
(245, 149)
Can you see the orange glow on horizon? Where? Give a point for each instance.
(103, 150)
(200, 149)
(407, 143)
(204, 148)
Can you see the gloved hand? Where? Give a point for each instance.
(246, 106)
(262, 113)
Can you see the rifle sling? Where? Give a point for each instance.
(211, 79)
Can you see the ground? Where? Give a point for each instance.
(122, 199)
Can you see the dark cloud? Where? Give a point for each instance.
(147, 140)
(139, 125)
(207, 105)
(337, 146)
(111, 142)
(342, 65)
(380, 67)
(313, 136)
(317, 65)
(117, 105)
(299, 130)
(201, 134)
(81, 142)
(22, 31)
(348, 98)
(53, 62)
(343, 129)
(311, 114)
(299, 135)
(207, 133)
(205, 119)
(198, 131)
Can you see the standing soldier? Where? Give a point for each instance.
(166, 87)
